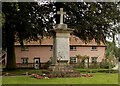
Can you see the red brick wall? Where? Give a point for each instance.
(44, 53)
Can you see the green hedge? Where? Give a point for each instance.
(97, 70)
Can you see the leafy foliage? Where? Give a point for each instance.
(92, 20)
(111, 54)
(82, 57)
(89, 19)
(32, 21)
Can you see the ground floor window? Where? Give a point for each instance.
(24, 60)
(73, 60)
(94, 59)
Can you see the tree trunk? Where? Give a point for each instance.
(11, 60)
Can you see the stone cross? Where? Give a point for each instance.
(61, 15)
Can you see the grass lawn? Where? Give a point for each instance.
(98, 78)
(22, 71)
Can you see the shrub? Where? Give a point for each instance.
(94, 66)
(45, 71)
(47, 64)
(106, 64)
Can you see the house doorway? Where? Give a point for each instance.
(36, 63)
(85, 63)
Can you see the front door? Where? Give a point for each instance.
(36, 63)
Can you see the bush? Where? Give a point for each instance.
(45, 72)
(94, 66)
(105, 64)
(46, 66)
(98, 70)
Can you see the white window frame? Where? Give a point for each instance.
(23, 60)
(73, 60)
(94, 61)
(25, 48)
(73, 48)
(51, 47)
(94, 48)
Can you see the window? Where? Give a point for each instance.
(73, 60)
(24, 60)
(72, 48)
(37, 60)
(24, 48)
(94, 48)
(94, 59)
(51, 48)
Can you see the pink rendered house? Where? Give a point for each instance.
(35, 54)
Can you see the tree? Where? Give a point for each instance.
(110, 54)
(20, 23)
(30, 20)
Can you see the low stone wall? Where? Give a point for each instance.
(29, 65)
(63, 70)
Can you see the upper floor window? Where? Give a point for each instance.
(72, 48)
(24, 48)
(94, 59)
(94, 48)
(24, 60)
(73, 60)
(51, 48)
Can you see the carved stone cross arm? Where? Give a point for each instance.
(61, 12)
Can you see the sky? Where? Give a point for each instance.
(117, 38)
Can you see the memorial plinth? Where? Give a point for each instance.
(61, 44)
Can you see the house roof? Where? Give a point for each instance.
(73, 41)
